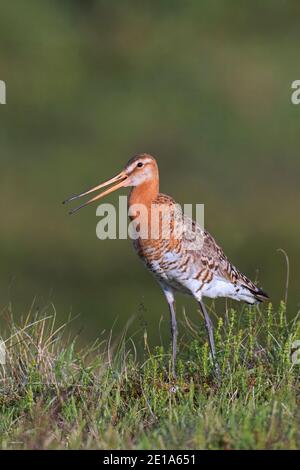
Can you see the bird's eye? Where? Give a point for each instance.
(140, 164)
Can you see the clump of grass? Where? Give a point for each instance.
(54, 394)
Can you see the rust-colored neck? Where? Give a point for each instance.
(144, 193)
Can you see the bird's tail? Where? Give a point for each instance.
(258, 294)
(255, 293)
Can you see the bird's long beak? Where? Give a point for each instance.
(119, 181)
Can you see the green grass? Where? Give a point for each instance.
(54, 394)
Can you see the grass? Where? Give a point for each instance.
(55, 394)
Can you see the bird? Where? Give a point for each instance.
(189, 261)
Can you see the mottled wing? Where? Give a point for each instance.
(215, 264)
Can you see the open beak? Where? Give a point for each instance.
(117, 182)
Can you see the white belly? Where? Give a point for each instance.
(222, 288)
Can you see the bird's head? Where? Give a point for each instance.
(140, 169)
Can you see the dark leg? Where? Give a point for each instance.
(209, 328)
(174, 331)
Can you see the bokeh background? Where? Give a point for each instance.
(205, 86)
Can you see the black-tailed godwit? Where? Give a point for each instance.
(201, 269)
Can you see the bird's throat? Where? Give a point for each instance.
(143, 194)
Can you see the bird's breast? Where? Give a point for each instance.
(168, 263)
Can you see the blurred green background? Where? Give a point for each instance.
(204, 86)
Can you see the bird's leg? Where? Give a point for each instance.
(209, 328)
(174, 330)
